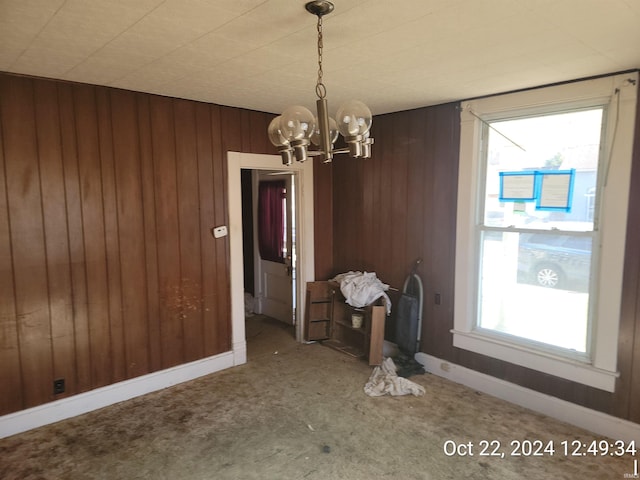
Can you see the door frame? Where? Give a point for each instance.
(236, 161)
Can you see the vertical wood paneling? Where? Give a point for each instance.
(149, 235)
(130, 216)
(90, 170)
(230, 128)
(108, 267)
(323, 219)
(355, 208)
(628, 363)
(225, 136)
(346, 207)
(429, 341)
(340, 193)
(259, 142)
(10, 370)
(417, 176)
(399, 206)
(382, 261)
(112, 243)
(382, 136)
(443, 222)
(167, 227)
(56, 234)
(368, 213)
(207, 221)
(27, 239)
(632, 365)
(189, 218)
(246, 135)
(76, 238)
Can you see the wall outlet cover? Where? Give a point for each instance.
(58, 386)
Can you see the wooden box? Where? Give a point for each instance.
(328, 319)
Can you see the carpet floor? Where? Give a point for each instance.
(299, 412)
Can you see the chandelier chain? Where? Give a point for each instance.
(321, 90)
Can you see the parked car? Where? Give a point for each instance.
(555, 261)
(495, 218)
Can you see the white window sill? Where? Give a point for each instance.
(535, 359)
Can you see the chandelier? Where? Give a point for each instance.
(296, 129)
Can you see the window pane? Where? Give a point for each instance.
(547, 143)
(272, 238)
(536, 286)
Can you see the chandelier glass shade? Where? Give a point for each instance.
(299, 134)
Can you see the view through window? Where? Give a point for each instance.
(537, 228)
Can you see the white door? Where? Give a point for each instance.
(276, 280)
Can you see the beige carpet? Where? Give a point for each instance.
(297, 412)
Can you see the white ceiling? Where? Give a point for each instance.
(261, 54)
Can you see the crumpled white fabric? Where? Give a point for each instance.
(385, 381)
(362, 289)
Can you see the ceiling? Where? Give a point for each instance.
(261, 54)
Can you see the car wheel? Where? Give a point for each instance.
(548, 276)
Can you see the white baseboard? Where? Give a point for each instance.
(591, 420)
(240, 352)
(62, 409)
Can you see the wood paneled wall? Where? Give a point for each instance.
(401, 205)
(108, 269)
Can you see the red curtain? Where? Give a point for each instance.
(271, 220)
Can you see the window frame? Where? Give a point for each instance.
(617, 93)
(593, 234)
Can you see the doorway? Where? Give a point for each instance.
(303, 198)
(272, 250)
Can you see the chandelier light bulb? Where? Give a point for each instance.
(354, 118)
(275, 134)
(333, 132)
(297, 123)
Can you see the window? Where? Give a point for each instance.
(535, 261)
(538, 262)
(272, 240)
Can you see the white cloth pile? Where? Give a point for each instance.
(362, 289)
(385, 381)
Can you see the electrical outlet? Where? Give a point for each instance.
(58, 386)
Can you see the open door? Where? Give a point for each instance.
(275, 250)
(304, 238)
